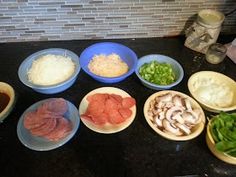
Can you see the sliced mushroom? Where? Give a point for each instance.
(190, 118)
(158, 121)
(187, 104)
(151, 104)
(150, 113)
(178, 118)
(196, 116)
(164, 98)
(171, 128)
(177, 101)
(170, 112)
(162, 115)
(184, 128)
(160, 105)
(169, 105)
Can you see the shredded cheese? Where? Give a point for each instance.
(51, 69)
(108, 66)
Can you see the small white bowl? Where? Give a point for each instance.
(195, 131)
(7, 89)
(201, 88)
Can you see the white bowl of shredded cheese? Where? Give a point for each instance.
(50, 71)
(214, 91)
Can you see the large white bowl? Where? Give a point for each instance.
(27, 63)
(204, 79)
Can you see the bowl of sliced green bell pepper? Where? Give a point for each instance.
(159, 72)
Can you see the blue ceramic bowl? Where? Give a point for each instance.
(27, 63)
(177, 68)
(107, 48)
(40, 143)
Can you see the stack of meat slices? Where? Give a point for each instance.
(48, 121)
(108, 108)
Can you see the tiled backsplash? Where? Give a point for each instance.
(33, 20)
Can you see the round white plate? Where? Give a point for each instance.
(106, 128)
(40, 143)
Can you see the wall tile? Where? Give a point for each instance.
(29, 20)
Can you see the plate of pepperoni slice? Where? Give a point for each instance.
(48, 124)
(107, 110)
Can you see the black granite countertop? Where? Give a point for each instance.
(134, 152)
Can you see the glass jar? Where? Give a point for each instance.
(216, 53)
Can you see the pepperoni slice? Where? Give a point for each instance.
(118, 98)
(100, 119)
(95, 108)
(97, 97)
(115, 117)
(110, 104)
(128, 102)
(125, 112)
(87, 117)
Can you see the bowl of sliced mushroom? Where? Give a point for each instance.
(174, 115)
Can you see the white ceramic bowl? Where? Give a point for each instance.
(195, 131)
(56, 88)
(211, 88)
(8, 90)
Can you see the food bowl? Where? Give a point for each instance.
(106, 128)
(108, 48)
(211, 145)
(7, 100)
(49, 89)
(40, 143)
(214, 91)
(176, 67)
(170, 105)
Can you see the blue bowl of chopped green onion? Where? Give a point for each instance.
(159, 72)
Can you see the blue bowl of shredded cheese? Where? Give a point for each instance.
(108, 62)
(50, 71)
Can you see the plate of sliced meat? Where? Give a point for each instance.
(48, 124)
(107, 110)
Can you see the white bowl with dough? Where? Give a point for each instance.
(214, 91)
(56, 87)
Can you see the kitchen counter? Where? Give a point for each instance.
(134, 152)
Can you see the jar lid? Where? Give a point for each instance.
(210, 18)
